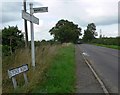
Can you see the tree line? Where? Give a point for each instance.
(12, 38)
(63, 32)
(107, 41)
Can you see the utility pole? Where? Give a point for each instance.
(32, 36)
(25, 24)
(100, 33)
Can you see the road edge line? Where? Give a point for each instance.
(96, 76)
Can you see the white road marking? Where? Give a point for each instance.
(84, 53)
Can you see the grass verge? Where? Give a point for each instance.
(109, 46)
(60, 77)
(44, 55)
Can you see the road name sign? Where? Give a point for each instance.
(29, 17)
(40, 9)
(15, 71)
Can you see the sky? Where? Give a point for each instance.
(104, 13)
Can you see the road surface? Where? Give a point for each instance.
(86, 82)
(105, 62)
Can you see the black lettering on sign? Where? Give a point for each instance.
(18, 70)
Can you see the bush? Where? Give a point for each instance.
(5, 50)
(107, 41)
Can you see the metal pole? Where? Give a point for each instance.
(25, 25)
(32, 36)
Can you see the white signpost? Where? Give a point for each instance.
(18, 70)
(30, 17)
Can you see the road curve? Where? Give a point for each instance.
(105, 62)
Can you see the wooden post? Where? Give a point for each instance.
(25, 24)
(14, 82)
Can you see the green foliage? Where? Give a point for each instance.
(65, 31)
(107, 41)
(5, 50)
(89, 33)
(12, 38)
(109, 46)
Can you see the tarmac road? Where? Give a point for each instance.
(105, 62)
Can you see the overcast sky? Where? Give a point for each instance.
(104, 13)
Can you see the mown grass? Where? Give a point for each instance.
(60, 77)
(109, 46)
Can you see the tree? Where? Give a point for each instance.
(12, 38)
(65, 31)
(89, 33)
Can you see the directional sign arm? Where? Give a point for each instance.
(40, 9)
(27, 16)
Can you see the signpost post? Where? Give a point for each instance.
(32, 36)
(30, 17)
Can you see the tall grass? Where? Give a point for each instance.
(44, 55)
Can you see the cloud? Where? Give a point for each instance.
(81, 12)
(84, 11)
(11, 11)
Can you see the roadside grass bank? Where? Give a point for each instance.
(109, 46)
(60, 77)
(44, 56)
(54, 71)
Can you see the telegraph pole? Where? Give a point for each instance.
(100, 33)
(32, 36)
(25, 24)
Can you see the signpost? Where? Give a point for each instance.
(15, 71)
(30, 17)
(27, 17)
